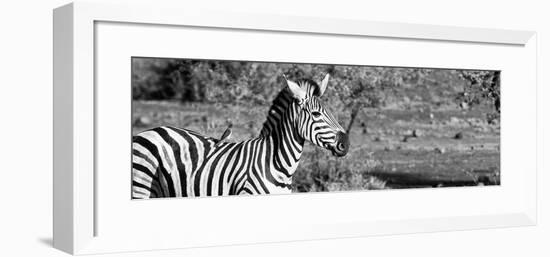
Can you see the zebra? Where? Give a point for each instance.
(177, 162)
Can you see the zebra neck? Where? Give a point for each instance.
(279, 113)
(283, 144)
(283, 149)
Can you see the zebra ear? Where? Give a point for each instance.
(297, 92)
(323, 86)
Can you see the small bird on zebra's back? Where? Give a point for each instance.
(226, 135)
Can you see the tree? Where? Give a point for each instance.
(482, 87)
(368, 87)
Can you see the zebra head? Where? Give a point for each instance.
(314, 122)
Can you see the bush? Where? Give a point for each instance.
(353, 87)
(319, 171)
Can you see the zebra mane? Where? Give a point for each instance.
(282, 103)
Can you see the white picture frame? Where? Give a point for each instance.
(79, 31)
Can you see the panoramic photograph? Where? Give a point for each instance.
(223, 127)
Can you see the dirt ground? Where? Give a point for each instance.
(403, 148)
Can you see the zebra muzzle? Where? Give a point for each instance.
(341, 145)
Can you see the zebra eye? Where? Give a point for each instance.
(316, 114)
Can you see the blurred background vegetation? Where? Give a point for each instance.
(409, 127)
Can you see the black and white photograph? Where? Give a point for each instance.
(275, 128)
(225, 127)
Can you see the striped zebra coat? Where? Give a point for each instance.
(174, 162)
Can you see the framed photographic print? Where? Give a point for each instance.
(242, 128)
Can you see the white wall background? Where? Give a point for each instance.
(26, 128)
